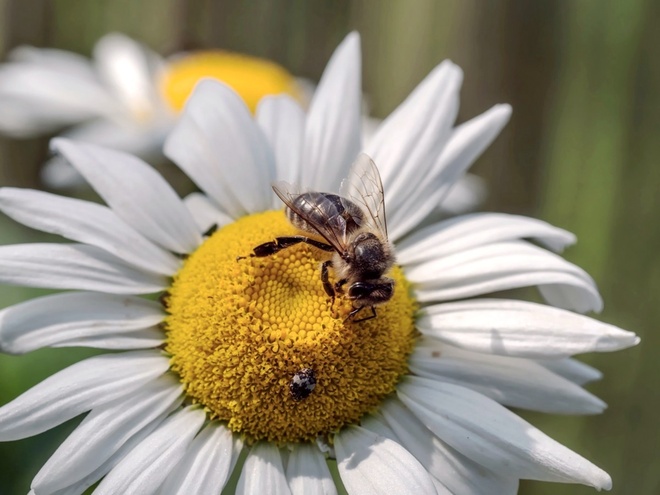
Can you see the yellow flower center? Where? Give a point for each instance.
(243, 334)
(252, 78)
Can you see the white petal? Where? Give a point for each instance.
(456, 472)
(54, 59)
(86, 222)
(148, 338)
(332, 132)
(283, 122)
(493, 436)
(410, 140)
(308, 473)
(376, 423)
(104, 430)
(79, 487)
(137, 138)
(145, 468)
(57, 173)
(573, 295)
(467, 142)
(468, 231)
(206, 465)
(76, 389)
(440, 489)
(127, 67)
(467, 194)
(39, 97)
(520, 328)
(205, 213)
(370, 127)
(572, 369)
(263, 472)
(501, 266)
(73, 266)
(218, 144)
(514, 382)
(50, 320)
(24, 119)
(135, 192)
(372, 464)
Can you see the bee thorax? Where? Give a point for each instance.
(371, 257)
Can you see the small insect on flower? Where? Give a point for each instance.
(302, 384)
(353, 226)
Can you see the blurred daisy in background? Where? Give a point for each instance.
(412, 401)
(127, 97)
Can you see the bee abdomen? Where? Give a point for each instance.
(297, 221)
(316, 208)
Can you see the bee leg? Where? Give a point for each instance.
(211, 230)
(357, 310)
(326, 283)
(275, 246)
(164, 299)
(339, 286)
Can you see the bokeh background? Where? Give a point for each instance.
(581, 151)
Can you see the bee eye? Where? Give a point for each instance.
(359, 289)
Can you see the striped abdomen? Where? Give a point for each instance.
(319, 209)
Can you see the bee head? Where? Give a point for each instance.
(372, 292)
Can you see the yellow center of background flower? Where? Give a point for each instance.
(251, 77)
(238, 332)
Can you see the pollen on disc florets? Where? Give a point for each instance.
(238, 331)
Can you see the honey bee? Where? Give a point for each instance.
(352, 226)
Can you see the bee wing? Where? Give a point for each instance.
(332, 227)
(286, 191)
(364, 188)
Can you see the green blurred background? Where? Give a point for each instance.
(580, 151)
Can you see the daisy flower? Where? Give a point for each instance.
(127, 97)
(244, 366)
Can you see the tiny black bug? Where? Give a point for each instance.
(302, 384)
